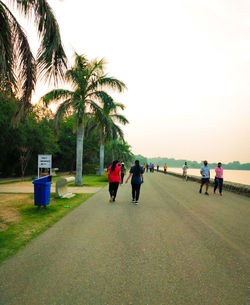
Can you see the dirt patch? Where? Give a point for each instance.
(8, 212)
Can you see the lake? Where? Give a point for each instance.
(238, 176)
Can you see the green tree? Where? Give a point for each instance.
(18, 67)
(87, 79)
(105, 122)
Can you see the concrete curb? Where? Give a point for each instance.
(238, 188)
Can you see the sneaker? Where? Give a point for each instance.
(206, 193)
(200, 191)
(136, 202)
(133, 200)
(220, 194)
(214, 193)
(111, 199)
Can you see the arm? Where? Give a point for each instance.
(128, 178)
(142, 179)
(120, 176)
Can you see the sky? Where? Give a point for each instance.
(186, 64)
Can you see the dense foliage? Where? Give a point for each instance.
(21, 145)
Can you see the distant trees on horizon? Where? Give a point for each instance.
(171, 162)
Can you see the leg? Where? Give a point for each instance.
(202, 183)
(138, 186)
(220, 185)
(116, 185)
(111, 189)
(215, 184)
(133, 191)
(207, 184)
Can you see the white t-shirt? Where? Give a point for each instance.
(185, 167)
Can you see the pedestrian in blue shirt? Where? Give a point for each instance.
(136, 172)
(205, 173)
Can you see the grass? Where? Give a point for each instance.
(21, 221)
(93, 180)
(88, 180)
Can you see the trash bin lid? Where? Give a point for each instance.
(43, 180)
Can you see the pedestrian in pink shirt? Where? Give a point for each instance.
(218, 178)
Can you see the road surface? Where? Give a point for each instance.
(176, 247)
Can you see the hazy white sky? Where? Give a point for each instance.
(186, 64)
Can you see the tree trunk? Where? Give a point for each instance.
(79, 153)
(101, 158)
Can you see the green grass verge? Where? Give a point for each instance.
(92, 180)
(33, 221)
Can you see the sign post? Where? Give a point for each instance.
(44, 161)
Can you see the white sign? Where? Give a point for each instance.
(44, 161)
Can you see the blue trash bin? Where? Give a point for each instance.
(42, 190)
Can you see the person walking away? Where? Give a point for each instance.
(153, 168)
(144, 167)
(114, 178)
(147, 167)
(137, 179)
(150, 167)
(185, 168)
(218, 178)
(123, 172)
(165, 168)
(157, 168)
(205, 173)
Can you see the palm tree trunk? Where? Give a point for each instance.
(101, 158)
(79, 153)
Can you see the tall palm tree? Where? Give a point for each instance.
(105, 122)
(18, 67)
(87, 79)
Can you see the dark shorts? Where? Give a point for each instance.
(204, 180)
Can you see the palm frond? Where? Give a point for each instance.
(62, 109)
(7, 75)
(108, 82)
(119, 118)
(23, 63)
(104, 98)
(51, 56)
(117, 133)
(56, 95)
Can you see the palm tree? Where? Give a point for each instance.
(86, 97)
(104, 121)
(18, 67)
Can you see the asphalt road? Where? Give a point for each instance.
(176, 247)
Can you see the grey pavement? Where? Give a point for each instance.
(176, 247)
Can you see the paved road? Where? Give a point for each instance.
(177, 247)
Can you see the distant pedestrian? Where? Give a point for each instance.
(114, 177)
(136, 172)
(144, 167)
(205, 173)
(153, 168)
(157, 167)
(185, 168)
(150, 167)
(123, 172)
(165, 168)
(147, 167)
(218, 178)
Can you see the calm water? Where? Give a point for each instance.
(237, 176)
